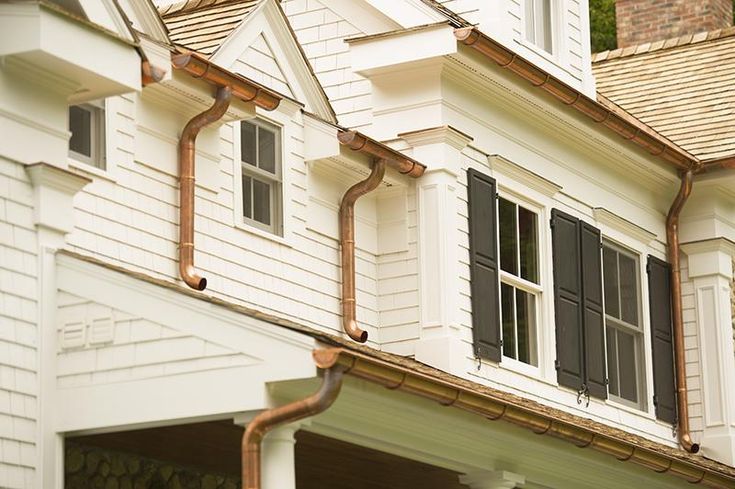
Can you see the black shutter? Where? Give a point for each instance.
(481, 196)
(594, 324)
(567, 299)
(659, 291)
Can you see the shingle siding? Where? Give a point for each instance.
(18, 328)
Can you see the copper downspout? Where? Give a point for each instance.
(272, 418)
(347, 242)
(446, 392)
(672, 237)
(187, 155)
(640, 134)
(382, 156)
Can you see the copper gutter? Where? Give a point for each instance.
(382, 156)
(272, 418)
(639, 133)
(467, 398)
(246, 90)
(674, 252)
(150, 74)
(187, 155)
(228, 85)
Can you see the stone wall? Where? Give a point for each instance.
(94, 468)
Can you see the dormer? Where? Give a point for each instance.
(553, 34)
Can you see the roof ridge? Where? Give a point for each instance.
(193, 6)
(671, 43)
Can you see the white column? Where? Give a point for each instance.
(711, 272)
(492, 479)
(439, 285)
(54, 189)
(278, 462)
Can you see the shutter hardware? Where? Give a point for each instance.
(583, 391)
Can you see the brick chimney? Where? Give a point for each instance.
(642, 21)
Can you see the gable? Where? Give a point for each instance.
(264, 45)
(260, 64)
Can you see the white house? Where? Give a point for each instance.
(351, 243)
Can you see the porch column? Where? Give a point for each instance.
(278, 460)
(710, 265)
(439, 284)
(53, 210)
(492, 479)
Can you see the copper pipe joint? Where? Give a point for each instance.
(347, 242)
(187, 156)
(272, 418)
(672, 237)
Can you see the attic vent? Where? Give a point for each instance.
(102, 330)
(73, 335)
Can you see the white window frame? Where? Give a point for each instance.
(98, 160)
(276, 229)
(638, 332)
(517, 282)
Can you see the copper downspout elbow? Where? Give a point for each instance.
(267, 420)
(187, 155)
(672, 237)
(347, 242)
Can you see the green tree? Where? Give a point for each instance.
(602, 25)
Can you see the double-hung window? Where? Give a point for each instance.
(260, 150)
(519, 280)
(538, 23)
(87, 127)
(504, 269)
(623, 329)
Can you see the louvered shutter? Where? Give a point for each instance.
(594, 324)
(567, 299)
(659, 291)
(481, 190)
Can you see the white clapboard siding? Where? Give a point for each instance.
(18, 328)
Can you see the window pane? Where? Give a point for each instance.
(612, 362)
(247, 199)
(261, 202)
(610, 270)
(628, 289)
(528, 244)
(508, 238)
(247, 143)
(508, 314)
(526, 315)
(80, 125)
(266, 150)
(530, 15)
(627, 367)
(544, 23)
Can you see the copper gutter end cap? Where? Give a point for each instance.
(463, 33)
(325, 358)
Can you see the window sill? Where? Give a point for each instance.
(282, 240)
(91, 170)
(553, 58)
(520, 368)
(630, 409)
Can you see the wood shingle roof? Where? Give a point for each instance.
(203, 25)
(684, 88)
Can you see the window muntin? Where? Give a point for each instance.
(519, 276)
(539, 24)
(87, 127)
(260, 155)
(623, 332)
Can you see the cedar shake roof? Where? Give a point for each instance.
(684, 88)
(203, 25)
